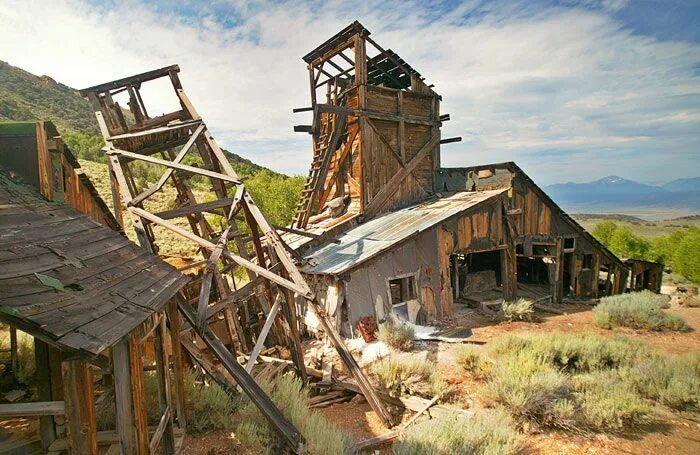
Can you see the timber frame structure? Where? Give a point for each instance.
(376, 136)
(233, 237)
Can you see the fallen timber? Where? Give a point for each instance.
(259, 252)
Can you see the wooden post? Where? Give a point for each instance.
(79, 399)
(164, 397)
(178, 367)
(509, 276)
(47, 424)
(558, 285)
(132, 426)
(13, 350)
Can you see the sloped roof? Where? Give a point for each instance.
(70, 281)
(379, 234)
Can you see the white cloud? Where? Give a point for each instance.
(517, 80)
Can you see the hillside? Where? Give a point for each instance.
(25, 96)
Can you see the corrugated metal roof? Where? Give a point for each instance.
(69, 280)
(379, 234)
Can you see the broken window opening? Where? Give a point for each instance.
(402, 289)
(569, 244)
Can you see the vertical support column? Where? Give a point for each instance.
(130, 398)
(13, 350)
(79, 398)
(558, 285)
(509, 277)
(164, 397)
(47, 378)
(178, 367)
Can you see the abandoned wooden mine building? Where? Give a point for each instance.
(395, 233)
(92, 300)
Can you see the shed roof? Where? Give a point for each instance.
(379, 234)
(70, 281)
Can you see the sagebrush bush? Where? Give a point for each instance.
(638, 310)
(521, 309)
(531, 391)
(209, 407)
(609, 403)
(291, 397)
(398, 336)
(584, 382)
(471, 359)
(403, 374)
(488, 432)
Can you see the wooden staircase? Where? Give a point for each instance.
(333, 130)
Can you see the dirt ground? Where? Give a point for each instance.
(677, 434)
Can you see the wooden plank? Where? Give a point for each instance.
(287, 432)
(349, 361)
(79, 407)
(178, 370)
(168, 172)
(210, 246)
(388, 190)
(170, 164)
(260, 343)
(33, 409)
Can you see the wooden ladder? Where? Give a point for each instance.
(325, 147)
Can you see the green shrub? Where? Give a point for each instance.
(521, 309)
(408, 375)
(209, 407)
(639, 310)
(488, 432)
(570, 381)
(290, 396)
(531, 391)
(398, 336)
(575, 353)
(609, 403)
(470, 358)
(674, 381)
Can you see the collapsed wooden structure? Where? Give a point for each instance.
(399, 236)
(232, 234)
(92, 300)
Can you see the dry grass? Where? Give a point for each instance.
(521, 309)
(585, 382)
(407, 374)
(291, 397)
(489, 432)
(398, 336)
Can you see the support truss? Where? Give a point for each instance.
(231, 233)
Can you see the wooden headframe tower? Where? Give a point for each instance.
(375, 131)
(230, 231)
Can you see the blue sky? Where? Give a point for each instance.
(571, 90)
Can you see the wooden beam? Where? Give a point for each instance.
(182, 167)
(288, 433)
(79, 399)
(33, 409)
(210, 246)
(260, 343)
(168, 172)
(347, 358)
(374, 115)
(130, 406)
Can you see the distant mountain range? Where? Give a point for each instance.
(615, 193)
